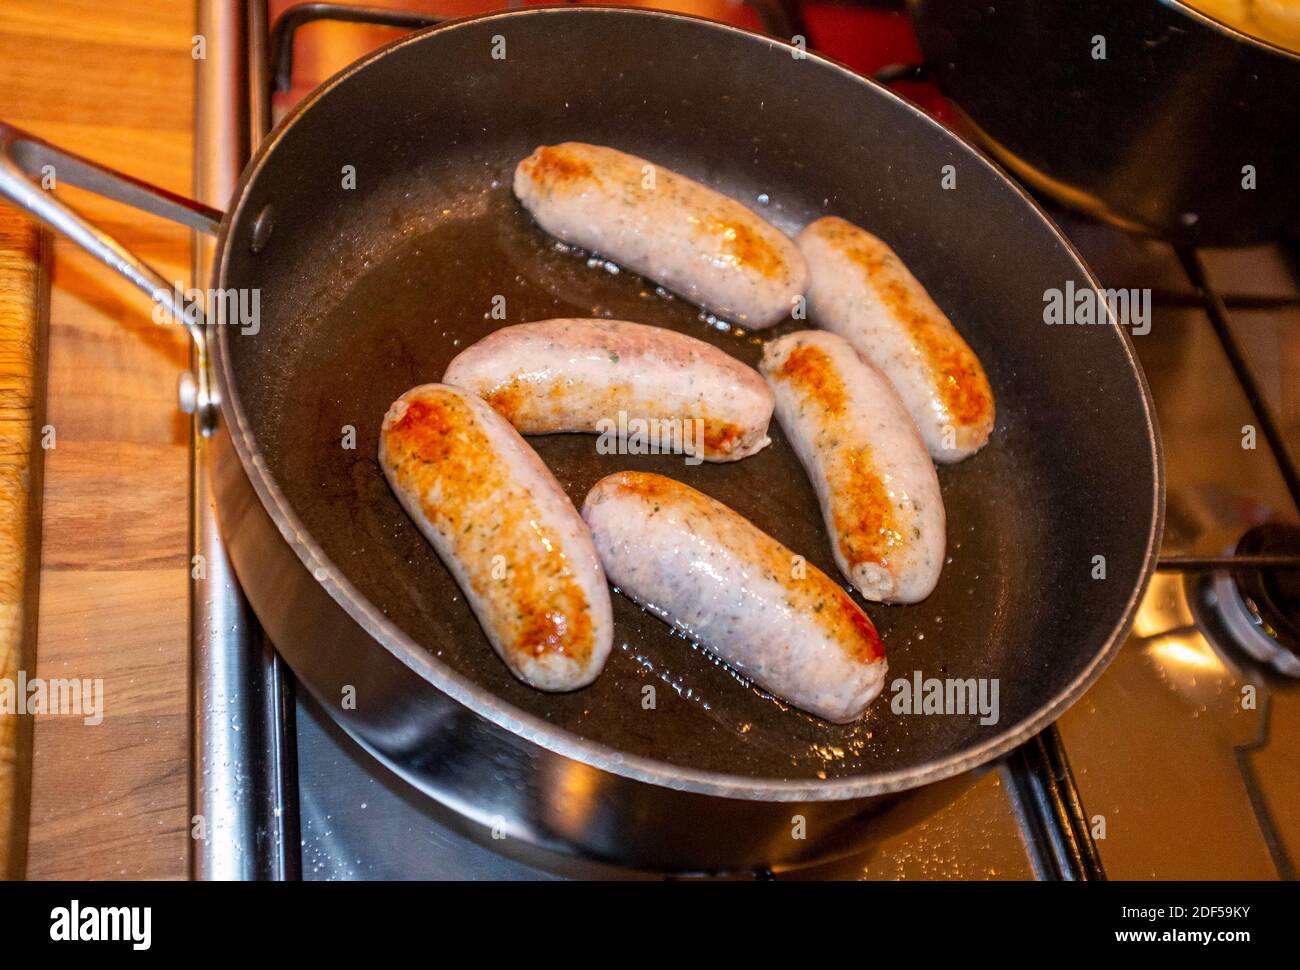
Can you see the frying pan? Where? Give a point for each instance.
(368, 290)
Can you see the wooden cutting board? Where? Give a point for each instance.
(23, 299)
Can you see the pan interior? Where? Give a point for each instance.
(369, 290)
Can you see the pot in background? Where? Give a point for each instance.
(1143, 113)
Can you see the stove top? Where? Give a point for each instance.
(1182, 762)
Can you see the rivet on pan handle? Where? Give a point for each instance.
(24, 158)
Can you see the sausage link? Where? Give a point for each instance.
(580, 375)
(695, 241)
(501, 523)
(712, 574)
(861, 290)
(878, 489)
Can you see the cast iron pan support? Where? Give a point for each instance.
(781, 18)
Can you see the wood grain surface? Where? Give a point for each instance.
(114, 82)
(23, 288)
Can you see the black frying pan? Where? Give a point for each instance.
(367, 291)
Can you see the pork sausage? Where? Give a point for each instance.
(696, 242)
(581, 375)
(715, 576)
(861, 290)
(506, 530)
(877, 486)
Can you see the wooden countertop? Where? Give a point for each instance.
(24, 282)
(114, 82)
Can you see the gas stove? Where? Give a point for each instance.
(1182, 762)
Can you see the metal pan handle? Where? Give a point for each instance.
(27, 163)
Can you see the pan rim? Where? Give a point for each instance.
(1231, 32)
(533, 729)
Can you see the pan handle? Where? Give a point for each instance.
(28, 164)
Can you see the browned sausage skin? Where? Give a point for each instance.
(506, 530)
(711, 573)
(695, 241)
(582, 374)
(861, 290)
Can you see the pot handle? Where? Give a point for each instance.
(24, 159)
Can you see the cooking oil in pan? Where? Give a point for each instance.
(469, 261)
